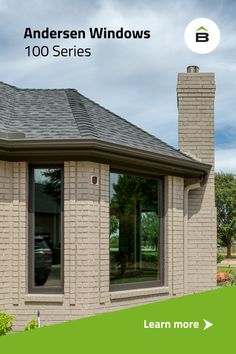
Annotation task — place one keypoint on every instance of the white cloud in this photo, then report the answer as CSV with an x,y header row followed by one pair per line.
x,y
226,160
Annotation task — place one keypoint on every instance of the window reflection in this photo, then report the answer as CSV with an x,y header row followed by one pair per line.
x,y
134,229
47,226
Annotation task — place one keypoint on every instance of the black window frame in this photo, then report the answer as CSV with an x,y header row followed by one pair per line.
x,y
145,284
32,289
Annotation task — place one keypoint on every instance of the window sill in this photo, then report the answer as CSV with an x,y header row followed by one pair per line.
x,y
124,294
44,298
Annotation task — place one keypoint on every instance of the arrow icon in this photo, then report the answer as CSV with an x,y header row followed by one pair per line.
x,y
207,324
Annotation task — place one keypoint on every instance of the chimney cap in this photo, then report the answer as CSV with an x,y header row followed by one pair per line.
x,y
193,69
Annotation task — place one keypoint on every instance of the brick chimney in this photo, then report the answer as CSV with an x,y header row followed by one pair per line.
x,y
195,96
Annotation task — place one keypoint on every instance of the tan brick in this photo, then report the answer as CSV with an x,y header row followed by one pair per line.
x,y
196,138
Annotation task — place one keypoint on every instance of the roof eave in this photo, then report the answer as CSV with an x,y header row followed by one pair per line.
x,y
116,155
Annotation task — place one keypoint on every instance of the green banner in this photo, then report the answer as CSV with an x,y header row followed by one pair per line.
x,y
197,323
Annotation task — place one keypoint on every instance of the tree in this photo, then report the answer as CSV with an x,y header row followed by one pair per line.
x,y
149,229
114,224
134,203
226,209
52,184
114,229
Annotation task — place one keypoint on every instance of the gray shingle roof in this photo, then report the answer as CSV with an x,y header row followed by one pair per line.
x,y
66,114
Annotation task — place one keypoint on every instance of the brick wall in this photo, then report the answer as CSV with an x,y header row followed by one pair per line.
x,y
196,94
5,234
13,232
86,247
174,251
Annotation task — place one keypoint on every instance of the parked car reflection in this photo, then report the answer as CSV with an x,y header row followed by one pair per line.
x,y
43,261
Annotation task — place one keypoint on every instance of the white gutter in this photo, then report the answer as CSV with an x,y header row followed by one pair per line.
x,y
186,191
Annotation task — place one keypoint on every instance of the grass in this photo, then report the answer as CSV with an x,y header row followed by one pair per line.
x,y
227,269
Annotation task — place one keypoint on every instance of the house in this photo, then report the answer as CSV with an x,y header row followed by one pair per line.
x,y
97,214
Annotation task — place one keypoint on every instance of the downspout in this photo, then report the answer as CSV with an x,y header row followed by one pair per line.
x,y
186,191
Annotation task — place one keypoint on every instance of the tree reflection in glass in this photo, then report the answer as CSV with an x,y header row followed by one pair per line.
x,y
47,226
134,229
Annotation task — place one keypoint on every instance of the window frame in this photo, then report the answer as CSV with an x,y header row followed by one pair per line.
x,y
32,289
161,209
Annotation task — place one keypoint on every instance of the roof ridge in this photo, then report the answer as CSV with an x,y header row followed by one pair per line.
x,y
80,113
12,110
12,86
33,89
137,127
10,101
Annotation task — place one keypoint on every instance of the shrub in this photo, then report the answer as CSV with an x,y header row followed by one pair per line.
x,y
149,257
232,278
220,257
6,323
31,325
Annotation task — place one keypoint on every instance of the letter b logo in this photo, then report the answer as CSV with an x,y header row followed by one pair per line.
x,y
202,37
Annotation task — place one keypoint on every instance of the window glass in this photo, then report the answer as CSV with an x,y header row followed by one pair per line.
x,y
134,229
47,227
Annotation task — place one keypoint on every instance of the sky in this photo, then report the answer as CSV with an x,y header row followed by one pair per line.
x,y
135,79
